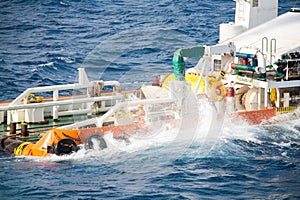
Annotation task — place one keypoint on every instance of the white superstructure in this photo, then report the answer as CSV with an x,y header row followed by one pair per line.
x,y
248,14
284,29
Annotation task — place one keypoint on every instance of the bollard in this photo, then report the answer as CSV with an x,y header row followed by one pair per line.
x,y
24,130
12,128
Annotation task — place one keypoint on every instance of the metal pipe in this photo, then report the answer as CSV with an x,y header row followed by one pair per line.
x,y
48,89
100,120
243,67
58,87
62,102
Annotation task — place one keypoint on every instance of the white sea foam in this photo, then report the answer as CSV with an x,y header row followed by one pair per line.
x,y
49,64
66,59
162,140
161,144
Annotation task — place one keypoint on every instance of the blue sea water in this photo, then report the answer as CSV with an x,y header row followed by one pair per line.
x,y
44,42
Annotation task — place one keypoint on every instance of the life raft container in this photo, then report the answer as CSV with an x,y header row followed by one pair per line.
x,y
62,142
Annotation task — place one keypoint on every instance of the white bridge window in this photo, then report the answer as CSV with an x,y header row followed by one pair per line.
x,y
217,65
255,3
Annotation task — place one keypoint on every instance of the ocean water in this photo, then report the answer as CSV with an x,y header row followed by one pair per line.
x,y
44,42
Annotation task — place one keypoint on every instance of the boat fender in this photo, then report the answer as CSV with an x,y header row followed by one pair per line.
x,y
9,145
95,142
65,146
2,145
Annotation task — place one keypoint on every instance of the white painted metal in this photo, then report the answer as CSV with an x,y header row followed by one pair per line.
x,y
229,30
283,28
1,117
206,62
61,102
34,115
251,13
18,110
266,97
286,99
263,84
248,14
55,108
98,121
82,76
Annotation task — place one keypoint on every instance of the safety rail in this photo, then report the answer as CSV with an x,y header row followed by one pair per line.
x,y
22,110
289,109
98,121
60,102
55,89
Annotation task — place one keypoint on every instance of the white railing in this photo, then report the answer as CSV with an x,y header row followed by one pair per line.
x,y
34,112
98,121
20,99
61,102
